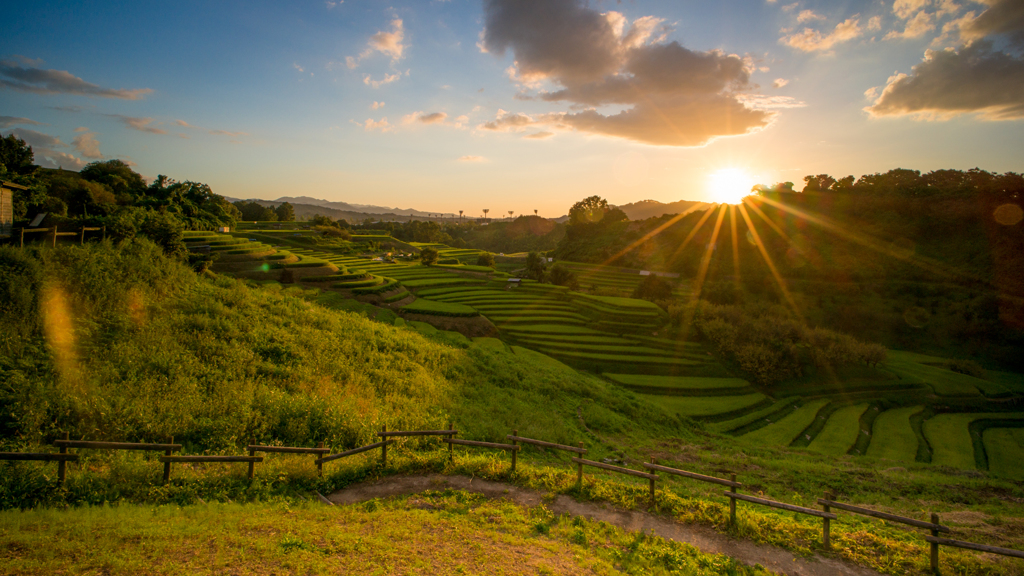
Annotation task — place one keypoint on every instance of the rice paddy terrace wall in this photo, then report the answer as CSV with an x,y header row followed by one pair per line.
x,y
914,409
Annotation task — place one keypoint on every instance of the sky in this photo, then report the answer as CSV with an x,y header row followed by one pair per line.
x,y
517,105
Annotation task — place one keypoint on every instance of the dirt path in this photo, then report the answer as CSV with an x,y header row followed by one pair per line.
x,y
705,539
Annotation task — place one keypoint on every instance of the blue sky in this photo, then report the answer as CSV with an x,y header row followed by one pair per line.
x,y
514,104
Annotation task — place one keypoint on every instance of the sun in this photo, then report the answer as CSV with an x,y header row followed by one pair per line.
x,y
729,185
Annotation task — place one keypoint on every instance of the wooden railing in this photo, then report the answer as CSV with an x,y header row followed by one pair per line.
x,y
324,456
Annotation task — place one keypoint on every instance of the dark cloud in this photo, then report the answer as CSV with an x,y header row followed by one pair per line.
x,y
1002,17
674,96
28,78
37,139
975,78
432,118
8,121
140,124
552,38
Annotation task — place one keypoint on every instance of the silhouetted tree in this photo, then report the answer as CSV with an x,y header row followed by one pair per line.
x,y
285,212
428,256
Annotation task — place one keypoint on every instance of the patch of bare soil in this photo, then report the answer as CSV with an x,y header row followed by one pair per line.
x,y
703,538
468,327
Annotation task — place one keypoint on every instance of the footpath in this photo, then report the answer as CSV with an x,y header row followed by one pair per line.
x,y
705,539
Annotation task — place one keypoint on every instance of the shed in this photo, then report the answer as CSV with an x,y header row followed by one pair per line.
x,y
7,207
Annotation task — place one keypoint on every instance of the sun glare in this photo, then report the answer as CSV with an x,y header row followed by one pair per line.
x,y
729,185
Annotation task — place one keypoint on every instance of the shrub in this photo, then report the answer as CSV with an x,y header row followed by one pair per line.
x,y
653,288
428,256
562,276
485,259
968,367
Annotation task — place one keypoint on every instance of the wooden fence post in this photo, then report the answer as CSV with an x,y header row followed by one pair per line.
x,y
732,502
935,546
81,238
319,465
104,232
62,466
167,465
514,433
579,470
451,447
826,522
384,448
54,235
252,465
22,238
652,484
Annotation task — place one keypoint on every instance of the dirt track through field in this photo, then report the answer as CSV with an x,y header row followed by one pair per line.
x,y
705,539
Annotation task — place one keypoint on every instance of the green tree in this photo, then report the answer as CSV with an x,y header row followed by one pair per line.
x,y
562,276
428,256
17,156
535,265
285,212
653,288
126,184
485,259
17,164
590,209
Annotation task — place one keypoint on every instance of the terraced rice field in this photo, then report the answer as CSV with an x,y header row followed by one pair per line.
x,y
892,436
701,406
757,418
840,432
784,431
1005,448
690,383
931,371
951,440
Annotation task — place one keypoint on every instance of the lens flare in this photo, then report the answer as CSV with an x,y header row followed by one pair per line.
x,y
729,185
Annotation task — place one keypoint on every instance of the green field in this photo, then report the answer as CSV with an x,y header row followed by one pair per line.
x,y
691,383
783,432
892,436
697,406
429,307
951,441
840,432
1005,448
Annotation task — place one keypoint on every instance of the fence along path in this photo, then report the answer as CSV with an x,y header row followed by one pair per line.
x,y
828,502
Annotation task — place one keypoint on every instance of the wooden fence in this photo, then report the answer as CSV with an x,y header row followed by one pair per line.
x,y
55,233
322,456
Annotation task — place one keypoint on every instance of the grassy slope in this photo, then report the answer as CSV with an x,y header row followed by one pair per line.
x,y
951,440
784,431
283,373
703,405
412,534
1005,447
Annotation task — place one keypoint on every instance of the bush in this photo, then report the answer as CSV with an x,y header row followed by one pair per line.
x,y
485,259
428,256
653,288
559,275
967,367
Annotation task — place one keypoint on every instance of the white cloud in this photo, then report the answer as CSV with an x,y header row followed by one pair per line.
x,y
86,144
808,16
370,125
387,79
813,41
907,8
875,23
472,159
389,43
376,105
919,25
780,82
43,148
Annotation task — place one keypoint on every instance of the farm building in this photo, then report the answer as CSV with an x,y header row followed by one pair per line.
x,y
7,207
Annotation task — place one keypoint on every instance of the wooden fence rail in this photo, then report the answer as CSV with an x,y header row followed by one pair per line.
x,y
611,468
825,515
323,456
53,231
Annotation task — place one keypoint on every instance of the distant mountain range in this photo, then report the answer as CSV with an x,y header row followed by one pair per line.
x,y
307,207
645,209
